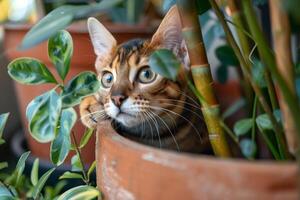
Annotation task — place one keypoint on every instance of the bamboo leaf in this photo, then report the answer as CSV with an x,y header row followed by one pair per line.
x,y
165,63
39,186
242,126
34,176
84,84
43,114
61,145
80,192
71,175
86,137
60,51
236,106
30,71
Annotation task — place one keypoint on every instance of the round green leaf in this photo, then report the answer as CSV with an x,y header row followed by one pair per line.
x,y
258,71
84,84
226,56
60,50
165,63
30,71
80,192
264,122
242,126
43,115
61,145
248,148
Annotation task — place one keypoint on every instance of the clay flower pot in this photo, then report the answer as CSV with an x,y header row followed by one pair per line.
x,y
83,59
128,170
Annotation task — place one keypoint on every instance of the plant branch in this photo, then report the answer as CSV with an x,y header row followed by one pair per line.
x,y
78,152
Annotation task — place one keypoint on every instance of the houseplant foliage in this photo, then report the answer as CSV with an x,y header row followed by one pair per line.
x,y
51,115
261,70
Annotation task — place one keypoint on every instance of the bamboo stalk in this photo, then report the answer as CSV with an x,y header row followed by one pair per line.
x,y
191,31
237,19
247,72
282,45
268,57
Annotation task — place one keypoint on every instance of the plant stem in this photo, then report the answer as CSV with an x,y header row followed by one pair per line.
x,y
253,119
282,45
270,145
230,132
269,60
247,72
192,34
237,19
78,152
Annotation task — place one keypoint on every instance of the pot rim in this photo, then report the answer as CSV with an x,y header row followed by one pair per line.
x,y
119,140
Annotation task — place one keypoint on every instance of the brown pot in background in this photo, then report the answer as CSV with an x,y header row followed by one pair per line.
x,y
128,170
83,59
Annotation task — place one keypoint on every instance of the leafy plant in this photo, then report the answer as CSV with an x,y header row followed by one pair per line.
x,y
51,117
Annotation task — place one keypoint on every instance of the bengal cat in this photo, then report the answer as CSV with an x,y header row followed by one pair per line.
x,y
143,105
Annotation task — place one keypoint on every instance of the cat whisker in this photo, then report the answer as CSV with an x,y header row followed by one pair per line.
x,y
183,107
182,102
156,126
177,146
172,112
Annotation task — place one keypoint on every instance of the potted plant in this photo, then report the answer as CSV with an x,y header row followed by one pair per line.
x,y
83,57
129,170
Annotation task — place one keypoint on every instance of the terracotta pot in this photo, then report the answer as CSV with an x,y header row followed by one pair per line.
x,y
131,171
83,59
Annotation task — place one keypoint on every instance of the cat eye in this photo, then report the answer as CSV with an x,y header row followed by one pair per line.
x,y
107,79
146,75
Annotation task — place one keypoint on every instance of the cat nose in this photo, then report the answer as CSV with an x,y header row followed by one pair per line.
x,y
118,99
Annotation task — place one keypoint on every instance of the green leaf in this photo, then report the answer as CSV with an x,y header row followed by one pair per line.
x,y
264,122
165,63
92,168
76,164
80,192
60,50
258,71
3,165
43,115
201,5
248,148
3,120
61,145
2,141
21,166
222,74
30,71
59,19
34,176
84,84
40,184
5,193
226,56
86,137
71,175
236,106
242,126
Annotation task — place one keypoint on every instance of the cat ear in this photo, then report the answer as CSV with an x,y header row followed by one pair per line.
x,y
104,43
168,34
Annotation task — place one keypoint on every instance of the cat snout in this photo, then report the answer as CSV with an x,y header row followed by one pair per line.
x,y
118,100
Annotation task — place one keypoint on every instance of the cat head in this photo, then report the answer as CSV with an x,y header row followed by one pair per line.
x,y
130,91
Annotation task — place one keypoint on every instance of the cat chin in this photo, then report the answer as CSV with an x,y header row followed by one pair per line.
x,y
127,120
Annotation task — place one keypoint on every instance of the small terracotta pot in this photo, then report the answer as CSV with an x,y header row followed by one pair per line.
x,y
130,171
83,59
